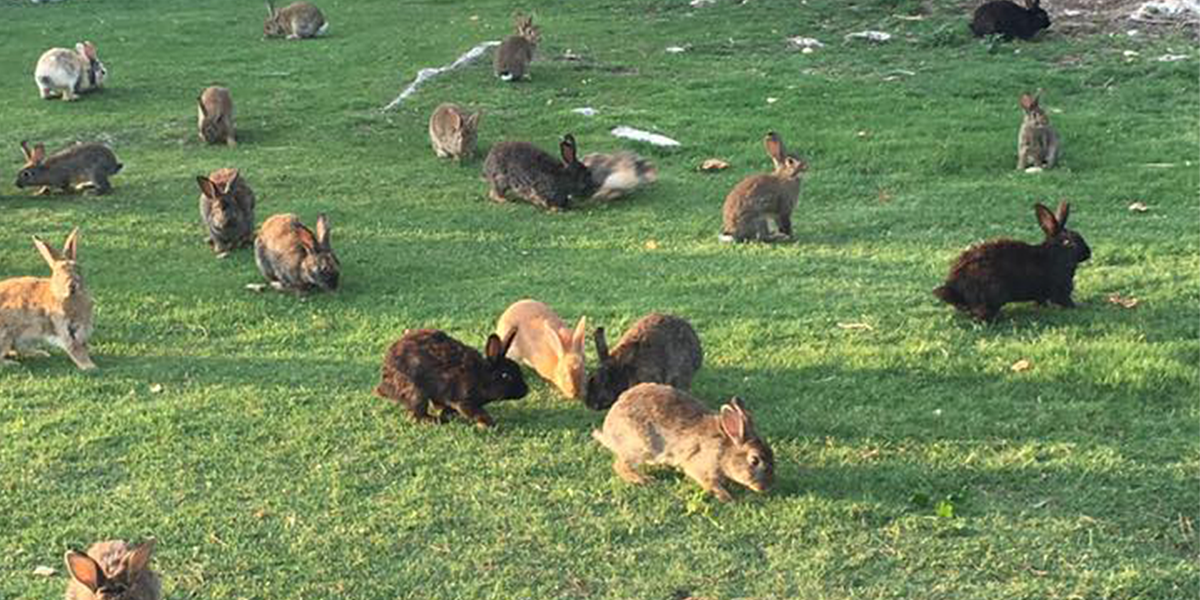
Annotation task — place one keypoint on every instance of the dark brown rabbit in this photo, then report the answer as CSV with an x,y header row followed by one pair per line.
x,y
427,366
658,348
291,258
227,209
992,274
81,166
760,206
113,570
535,175
1010,20
516,51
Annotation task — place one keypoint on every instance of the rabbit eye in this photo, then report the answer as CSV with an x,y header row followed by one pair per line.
x,y
754,462
1067,242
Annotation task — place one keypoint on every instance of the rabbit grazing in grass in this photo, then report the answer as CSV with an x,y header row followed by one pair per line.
x,y
291,258
1010,20
657,424
760,206
992,274
429,367
215,121
616,175
82,166
516,51
296,20
57,310
113,570
1037,142
535,175
547,344
453,132
68,73
227,209
657,349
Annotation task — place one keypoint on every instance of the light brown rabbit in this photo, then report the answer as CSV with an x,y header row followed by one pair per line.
x,y
215,120
619,174
1037,142
113,570
547,344
516,51
453,132
657,424
760,206
296,20
82,166
57,310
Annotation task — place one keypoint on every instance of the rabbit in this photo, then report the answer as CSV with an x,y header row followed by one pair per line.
x,y
296,20
1009,20
68,73
657,349
516,51
537,176
616,175
113,570
427,365
215,119
1037,142
227,209
81,166
657,424
760,206
452,132
291,258
992,274
56,310
547,344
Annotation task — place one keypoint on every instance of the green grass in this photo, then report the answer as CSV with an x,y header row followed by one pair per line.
x,y
267,469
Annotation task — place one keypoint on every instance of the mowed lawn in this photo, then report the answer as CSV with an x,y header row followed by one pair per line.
x,y
239,429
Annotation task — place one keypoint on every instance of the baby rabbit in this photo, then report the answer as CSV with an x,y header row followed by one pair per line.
x,y
215,121
452,132
659,425
1009,20
227,209
547,344
113,570
57,310
658,348
516,51
1037,142
291,258
296,20
992,274
760,206
82,166
427,366
537,176
68,73
616,175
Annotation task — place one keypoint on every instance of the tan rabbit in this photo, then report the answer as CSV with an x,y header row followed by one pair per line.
x,y
296,20
57,310
657,424
215,120
760,206
68,73
516,51
547,344
1037,142
81,166
619,174
113,570
453,132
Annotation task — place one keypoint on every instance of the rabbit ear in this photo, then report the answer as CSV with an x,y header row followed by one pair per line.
x,y
139,558
1046,219
270,8
580,336
733,422
556,341
774,145
71,245
601,344
323,232
1064,211
49,254
472,120
494,348
508,340
200,103
26,151
207,187
1028,102
84,570
39,153
233,177
567,148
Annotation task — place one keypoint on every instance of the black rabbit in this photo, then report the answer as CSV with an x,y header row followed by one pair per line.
x,y
1010,20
